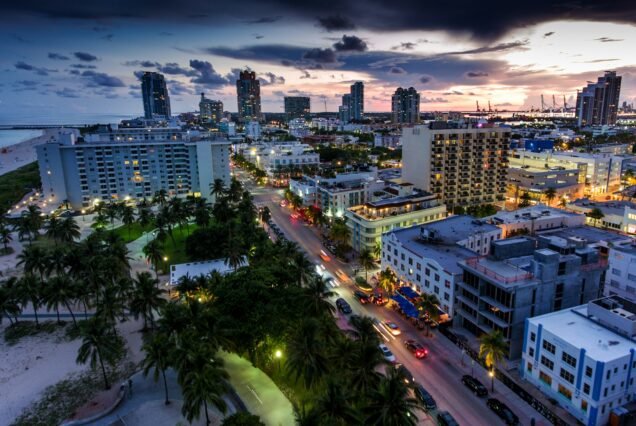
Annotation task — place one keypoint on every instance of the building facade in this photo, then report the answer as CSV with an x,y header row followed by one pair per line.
x,y
297,107
584,357
617,215
248,92
370,220
272,157
154,94
462,166
344,110
89,172
357,101
533,219
210,110
597,103
567,183
425,257
405,106
522,278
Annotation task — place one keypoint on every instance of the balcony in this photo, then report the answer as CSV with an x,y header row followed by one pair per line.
x,y
489,272
601,264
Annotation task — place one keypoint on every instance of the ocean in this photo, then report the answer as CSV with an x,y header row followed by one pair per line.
x,y
61,118
11,137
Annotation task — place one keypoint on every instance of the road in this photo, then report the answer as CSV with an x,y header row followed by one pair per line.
x,y
440,373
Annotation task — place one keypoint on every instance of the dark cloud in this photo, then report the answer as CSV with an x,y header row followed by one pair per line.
x,y
405,46
321,56
178,88
102,79
397,70
74,72
336,23
30,83
270,78
426,100
206,75
505,104
143,64
138,74
425,79
67,93
86,57
173,68
264,20
305,74
350,43
83,66
548,34
494,48
595,61
476,74
21,65
453,93
57,57
258,36
608,39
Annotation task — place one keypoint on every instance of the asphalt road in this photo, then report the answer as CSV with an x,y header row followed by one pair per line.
x,y
440,373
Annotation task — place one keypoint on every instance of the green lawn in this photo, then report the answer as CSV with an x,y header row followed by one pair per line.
x,y
176,252
16,184
135,232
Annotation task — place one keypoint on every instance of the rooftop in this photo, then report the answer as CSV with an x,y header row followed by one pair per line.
x,y
574,327
446,253
195,269
615,207
509,271
457,228
590,234
524,214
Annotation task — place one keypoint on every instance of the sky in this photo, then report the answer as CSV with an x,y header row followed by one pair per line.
x,y
61,59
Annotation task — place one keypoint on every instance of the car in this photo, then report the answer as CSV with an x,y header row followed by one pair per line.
x,y
416,348
393,328
332,282
320,269
444,418
295,215
474,385
283,203
324,256
425,398
503,411
343,306
386,352
405,373
362,297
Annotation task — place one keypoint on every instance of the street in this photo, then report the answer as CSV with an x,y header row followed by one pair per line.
x,y
440,373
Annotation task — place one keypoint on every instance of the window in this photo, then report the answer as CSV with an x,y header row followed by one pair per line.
x,y
545,378
569,359
437,277
533,336
588,371
616,272
565,391
549,347
586,388
584,405
547,362
567,375
531,351
427,272
529,367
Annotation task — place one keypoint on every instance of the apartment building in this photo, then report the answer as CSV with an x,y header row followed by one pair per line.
x,y
461,164
567,183
583,357
131,164
425,257
529,220
617,215
408,207
271,157
522,278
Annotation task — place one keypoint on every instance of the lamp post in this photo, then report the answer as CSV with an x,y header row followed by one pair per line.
x,y
491,373
278,355
165,262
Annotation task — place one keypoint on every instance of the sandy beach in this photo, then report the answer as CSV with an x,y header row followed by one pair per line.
x,y
15,156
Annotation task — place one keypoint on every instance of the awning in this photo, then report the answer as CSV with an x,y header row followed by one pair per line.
x,y
406,306
408,292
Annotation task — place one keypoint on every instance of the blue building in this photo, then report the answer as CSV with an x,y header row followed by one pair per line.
x,y
538,145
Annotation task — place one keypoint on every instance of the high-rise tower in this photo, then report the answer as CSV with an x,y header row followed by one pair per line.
x,y
155,95
405,106
248,92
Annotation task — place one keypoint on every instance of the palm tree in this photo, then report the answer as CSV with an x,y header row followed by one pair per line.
x,y
337,406
266,214
100,344
316,294
428,307
387,280
363,374
69,230
234,252
218,188
160,197
201,213
550,194
5,236
128,217
9,303
596,214
492,348
144,216
301,267
377,250
33,259
307,358
364,331
525,199
23,228
33,217
158,349
112,212
390,404
53,228
58,291
563,202
146,298
154,254
366,261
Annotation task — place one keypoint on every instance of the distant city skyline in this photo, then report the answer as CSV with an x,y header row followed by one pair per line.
x,y
87,58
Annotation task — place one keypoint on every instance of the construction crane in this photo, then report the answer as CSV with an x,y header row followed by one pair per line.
x,y
543,108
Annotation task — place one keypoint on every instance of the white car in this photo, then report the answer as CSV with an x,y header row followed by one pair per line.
x,y
393,328
386,352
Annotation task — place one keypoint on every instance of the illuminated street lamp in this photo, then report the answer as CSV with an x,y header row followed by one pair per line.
x,y
278,355
491,373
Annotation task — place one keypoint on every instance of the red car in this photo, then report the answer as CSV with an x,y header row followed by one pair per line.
x,y
416,348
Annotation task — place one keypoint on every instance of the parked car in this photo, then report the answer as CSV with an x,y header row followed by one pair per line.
x,y
361,296
416,348
444,418
405,373
474,385
503,411
386,353
343,306
425,397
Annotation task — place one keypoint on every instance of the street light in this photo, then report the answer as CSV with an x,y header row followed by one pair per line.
x,y
491,373
278,355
